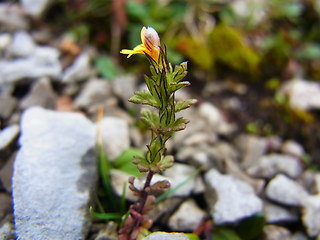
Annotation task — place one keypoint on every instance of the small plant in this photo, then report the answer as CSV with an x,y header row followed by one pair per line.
x,y
162,85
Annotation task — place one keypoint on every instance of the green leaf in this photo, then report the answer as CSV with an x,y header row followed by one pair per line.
x,y
124,161
192,236
143,98
136,10
166,162
105,216
179,124
106,67
150,118
252,227
222,233
176,86
181,105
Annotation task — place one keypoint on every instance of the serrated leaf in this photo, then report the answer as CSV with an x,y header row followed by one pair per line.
x,y
160,185
143,97
179,124
166,162
150,118
142,163
181,105
176,86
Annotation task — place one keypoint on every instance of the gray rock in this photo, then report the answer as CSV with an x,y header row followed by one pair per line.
x,y
109,232
166,236
41,94
311,215
114,136
6,174
54,175
277,214
5,205
286,191
124,88
12,17
273,232
270,165
43,62
230,199
7,106
181,220
79,70
22,45
36,8
7,135
215,118
293,148
118,179
302,94
252,148
95,91
299,236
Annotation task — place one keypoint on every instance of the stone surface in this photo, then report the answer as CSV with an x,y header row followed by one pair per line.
x,y
6,174
311,215
299,236
12,17
273,232
36,8
7,135
302,94
286,191
230,199
79,70
7,106
252,148
270,165
114,135
41,94
293,148
43,62
166,236
7,231
215,118
5,205
276,214
22,45
124,88
95,91
54,175
177,174
187,217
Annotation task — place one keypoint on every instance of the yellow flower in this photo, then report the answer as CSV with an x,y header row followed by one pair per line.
x,y
150,44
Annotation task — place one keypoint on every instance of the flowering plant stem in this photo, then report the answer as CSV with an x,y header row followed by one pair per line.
x,y
162,85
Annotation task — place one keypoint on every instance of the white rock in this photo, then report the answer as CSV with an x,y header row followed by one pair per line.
x,y
79,70
292,148
311,215
43,62
270,165
302,94
36,8
276,214
22,45
5,40
7,231
7,135
286,191
230,199
178,174
273,232
118,179
166,236
54,175
215,119
181,219
114,135
94,91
